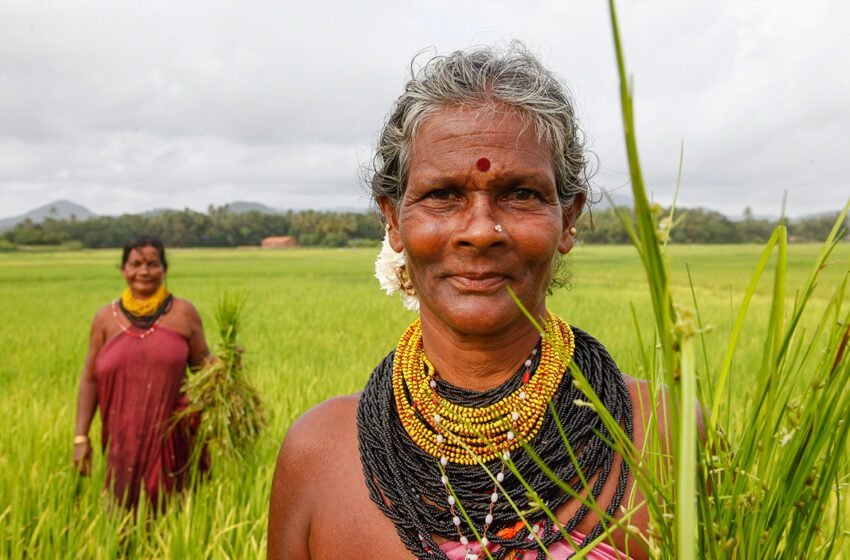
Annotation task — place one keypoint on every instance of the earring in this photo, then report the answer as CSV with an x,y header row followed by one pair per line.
x,y
573,230
391,272
404,280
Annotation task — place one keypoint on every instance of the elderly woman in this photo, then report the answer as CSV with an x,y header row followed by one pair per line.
x,y
139,348
480,175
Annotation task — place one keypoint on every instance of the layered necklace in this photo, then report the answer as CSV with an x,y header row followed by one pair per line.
x,y
423,442
144,315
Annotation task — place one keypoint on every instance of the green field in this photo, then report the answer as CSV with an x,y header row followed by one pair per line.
x,y
316,325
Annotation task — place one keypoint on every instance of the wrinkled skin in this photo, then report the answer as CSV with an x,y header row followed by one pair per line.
x,y
446,222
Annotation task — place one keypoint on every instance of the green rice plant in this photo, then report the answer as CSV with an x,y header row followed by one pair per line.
x,y
231,413
763,491
46,511
770,483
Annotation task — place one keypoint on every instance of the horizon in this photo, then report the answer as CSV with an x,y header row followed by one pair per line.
x,y
602,204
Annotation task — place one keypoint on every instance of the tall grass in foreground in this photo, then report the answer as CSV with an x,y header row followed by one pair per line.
x,y
763,492
776,488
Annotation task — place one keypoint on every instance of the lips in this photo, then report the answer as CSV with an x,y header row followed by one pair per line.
x,y
479,281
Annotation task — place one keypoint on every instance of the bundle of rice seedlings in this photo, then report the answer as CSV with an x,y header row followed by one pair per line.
x,y
231,413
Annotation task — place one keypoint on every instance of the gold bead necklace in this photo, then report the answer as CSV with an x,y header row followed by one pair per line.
x,y
463,434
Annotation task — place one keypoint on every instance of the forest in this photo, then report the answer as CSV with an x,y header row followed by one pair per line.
x,y
220,227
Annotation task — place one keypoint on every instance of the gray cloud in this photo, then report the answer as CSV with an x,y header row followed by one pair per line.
x,y
128,106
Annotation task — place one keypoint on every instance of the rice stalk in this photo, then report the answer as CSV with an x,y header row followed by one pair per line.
x,y
230,412
776,485
763,491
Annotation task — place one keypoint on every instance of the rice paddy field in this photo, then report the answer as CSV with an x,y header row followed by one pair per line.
x,y
316,324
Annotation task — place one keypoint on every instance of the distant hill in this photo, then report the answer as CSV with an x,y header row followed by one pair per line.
x,y
157,212
238,207
63,209
241,207
59,210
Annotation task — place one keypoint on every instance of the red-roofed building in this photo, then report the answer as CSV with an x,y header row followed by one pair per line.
x,y
279,242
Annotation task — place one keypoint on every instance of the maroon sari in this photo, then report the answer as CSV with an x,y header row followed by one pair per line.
x,y
138,390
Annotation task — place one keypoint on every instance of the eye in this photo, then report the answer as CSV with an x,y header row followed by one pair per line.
x,y
441,194
523,194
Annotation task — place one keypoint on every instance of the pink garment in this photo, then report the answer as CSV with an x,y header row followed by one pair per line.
x,y
138,390
559,550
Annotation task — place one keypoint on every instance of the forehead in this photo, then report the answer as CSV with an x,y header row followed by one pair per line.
x,y
146,253
454,138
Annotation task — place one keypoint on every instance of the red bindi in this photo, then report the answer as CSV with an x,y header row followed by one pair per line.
x,y
483,164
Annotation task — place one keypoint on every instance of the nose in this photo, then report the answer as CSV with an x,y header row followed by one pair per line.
x,y
478,227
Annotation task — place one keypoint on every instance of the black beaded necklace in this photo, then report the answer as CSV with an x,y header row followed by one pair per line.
x,y
404,481
147,321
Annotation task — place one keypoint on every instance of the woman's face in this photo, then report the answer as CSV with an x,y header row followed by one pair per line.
x,y
471,171
143,271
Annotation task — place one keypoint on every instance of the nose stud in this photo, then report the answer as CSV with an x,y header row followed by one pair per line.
x,y
498,228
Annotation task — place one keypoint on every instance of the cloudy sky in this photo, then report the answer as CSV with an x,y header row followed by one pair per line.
x,y
124,106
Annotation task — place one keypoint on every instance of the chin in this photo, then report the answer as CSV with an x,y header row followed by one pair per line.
x,y
146,290
479,318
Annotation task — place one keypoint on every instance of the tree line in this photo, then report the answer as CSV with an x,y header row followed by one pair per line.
x,y
700,225
219,227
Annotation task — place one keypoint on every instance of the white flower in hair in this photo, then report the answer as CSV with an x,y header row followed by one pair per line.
x,y
391,272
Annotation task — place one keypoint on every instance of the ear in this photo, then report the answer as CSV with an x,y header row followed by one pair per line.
x,y
390,213
569,220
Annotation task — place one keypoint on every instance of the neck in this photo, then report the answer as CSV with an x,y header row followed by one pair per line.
x,y
479,363
146,295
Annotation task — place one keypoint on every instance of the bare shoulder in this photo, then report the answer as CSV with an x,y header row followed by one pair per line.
x,y
325,436
645,396
650,409
102,315
652,404
635,384
318,455
100,324
185,319
185,307
321,429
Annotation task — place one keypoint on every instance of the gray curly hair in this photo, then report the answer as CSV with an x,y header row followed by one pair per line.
x,y
510,76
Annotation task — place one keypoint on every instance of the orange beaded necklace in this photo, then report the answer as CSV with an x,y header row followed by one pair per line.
x,y
463,434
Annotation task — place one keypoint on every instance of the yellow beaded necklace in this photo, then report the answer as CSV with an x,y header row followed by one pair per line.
x,y
463,434
143,307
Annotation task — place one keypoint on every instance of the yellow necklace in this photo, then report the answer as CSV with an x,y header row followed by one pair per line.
x,y
143,307
465,435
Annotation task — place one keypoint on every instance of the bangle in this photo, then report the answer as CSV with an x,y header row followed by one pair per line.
x,y
80,439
